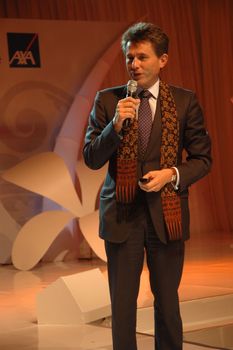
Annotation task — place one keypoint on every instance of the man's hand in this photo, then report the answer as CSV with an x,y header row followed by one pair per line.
x,y
158,179
126,108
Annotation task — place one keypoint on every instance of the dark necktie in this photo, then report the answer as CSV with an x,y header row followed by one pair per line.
x,y
144,121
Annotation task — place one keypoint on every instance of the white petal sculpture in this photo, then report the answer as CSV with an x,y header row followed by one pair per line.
x,y
8,231
89,225
36,236
46,174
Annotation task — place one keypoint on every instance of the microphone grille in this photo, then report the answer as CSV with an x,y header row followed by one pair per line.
x,y
132,86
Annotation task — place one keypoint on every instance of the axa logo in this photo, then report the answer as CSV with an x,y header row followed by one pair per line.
x,y
23,49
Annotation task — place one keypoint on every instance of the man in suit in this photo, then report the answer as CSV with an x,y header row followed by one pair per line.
x,y
144,199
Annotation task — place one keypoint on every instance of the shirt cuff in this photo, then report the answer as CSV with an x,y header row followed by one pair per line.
x,y
176,184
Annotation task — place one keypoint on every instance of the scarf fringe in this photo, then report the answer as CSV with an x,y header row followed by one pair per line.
x,y
126,193
126,181
172,216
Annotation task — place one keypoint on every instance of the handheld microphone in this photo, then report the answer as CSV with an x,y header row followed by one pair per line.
x,y
131,88
131,92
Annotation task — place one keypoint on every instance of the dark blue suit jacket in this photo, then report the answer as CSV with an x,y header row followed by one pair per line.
x,y
101,143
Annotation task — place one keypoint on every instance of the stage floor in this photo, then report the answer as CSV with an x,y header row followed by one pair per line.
x,y
205,274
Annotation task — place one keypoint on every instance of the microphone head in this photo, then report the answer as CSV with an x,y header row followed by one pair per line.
x,y
131,87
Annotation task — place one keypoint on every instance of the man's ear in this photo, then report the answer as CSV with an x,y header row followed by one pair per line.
x,y
163,60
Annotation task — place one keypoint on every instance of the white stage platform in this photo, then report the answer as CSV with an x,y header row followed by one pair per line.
x,y
208,279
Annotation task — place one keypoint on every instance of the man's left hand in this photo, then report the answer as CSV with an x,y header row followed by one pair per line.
x,y
157,180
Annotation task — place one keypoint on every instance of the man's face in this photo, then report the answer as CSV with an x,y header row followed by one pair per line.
x,y
143,65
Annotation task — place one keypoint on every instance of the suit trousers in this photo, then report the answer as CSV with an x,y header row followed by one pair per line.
x,y
165,264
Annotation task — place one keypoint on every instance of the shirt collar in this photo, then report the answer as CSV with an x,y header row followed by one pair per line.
x,y
154,89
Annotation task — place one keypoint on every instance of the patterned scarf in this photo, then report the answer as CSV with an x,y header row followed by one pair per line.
x,y
127,155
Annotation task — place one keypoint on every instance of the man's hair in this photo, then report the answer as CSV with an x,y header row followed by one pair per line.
x,y
146,32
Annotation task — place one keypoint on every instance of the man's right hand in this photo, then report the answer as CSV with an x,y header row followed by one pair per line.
x,y
126,108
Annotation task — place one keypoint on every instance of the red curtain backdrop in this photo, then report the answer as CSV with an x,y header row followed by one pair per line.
x,y
200,58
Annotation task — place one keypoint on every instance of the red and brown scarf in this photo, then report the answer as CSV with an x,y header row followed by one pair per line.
x,y
127,155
